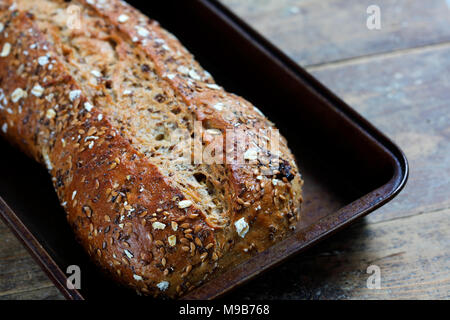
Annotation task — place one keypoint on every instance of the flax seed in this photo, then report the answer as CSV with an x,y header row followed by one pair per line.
x,y
198,242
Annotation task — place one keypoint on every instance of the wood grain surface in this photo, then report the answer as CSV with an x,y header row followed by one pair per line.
x,y
397,77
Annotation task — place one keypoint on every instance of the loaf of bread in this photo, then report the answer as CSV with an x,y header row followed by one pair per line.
x,y
111,103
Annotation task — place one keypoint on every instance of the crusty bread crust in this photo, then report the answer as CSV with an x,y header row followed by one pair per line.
x,y
134,220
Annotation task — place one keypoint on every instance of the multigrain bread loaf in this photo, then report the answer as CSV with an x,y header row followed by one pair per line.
x,y
107,100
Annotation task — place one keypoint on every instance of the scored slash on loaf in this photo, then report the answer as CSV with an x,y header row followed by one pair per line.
x,y
99,104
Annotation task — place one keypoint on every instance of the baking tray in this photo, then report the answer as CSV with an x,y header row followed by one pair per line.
x,y
349,167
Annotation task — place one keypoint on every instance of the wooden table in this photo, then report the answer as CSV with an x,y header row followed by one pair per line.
x,y
399,78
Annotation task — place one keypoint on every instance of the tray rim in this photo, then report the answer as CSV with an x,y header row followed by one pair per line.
x,y
390,189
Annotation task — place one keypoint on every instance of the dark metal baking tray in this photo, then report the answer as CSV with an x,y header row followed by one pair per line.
x,y
349,167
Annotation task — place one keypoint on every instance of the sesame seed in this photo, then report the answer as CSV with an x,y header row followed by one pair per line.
x,y
163,285
213,86
74,94
158,225
194,75
172,240
184,204
214,132
37,90
142,31
43,60
128,253
50,114
18,94
251,154
123,18
5,127
241,227
88,106
6,50
137,277
96,73
174,226
74,194
218,106
183,70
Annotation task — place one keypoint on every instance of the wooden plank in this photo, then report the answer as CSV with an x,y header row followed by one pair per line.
x,y
411,252
20,276
406,96
315,32
45,293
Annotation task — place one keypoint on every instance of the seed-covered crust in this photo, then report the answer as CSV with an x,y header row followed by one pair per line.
x,y
146,221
